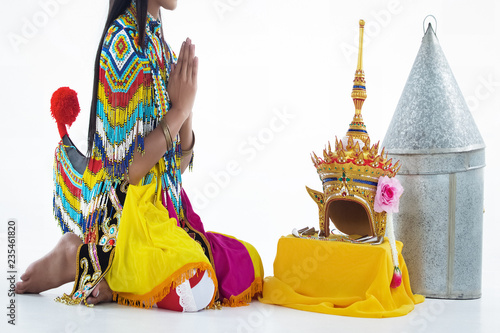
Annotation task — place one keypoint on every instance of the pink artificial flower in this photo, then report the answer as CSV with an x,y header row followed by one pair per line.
x,y
397,277
388,192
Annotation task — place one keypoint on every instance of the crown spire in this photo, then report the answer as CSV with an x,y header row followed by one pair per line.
x,y
357,128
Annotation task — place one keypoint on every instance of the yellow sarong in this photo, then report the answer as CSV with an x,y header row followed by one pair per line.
x,y
152,253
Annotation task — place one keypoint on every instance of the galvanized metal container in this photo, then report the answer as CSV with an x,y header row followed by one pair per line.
x,y
442,152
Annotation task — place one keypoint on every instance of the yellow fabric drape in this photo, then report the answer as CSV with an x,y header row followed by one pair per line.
x,y
338,278
152,253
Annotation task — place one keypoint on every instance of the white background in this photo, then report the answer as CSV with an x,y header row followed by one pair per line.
x,y
258,59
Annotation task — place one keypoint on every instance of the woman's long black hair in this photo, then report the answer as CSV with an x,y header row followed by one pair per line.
x,y
116,8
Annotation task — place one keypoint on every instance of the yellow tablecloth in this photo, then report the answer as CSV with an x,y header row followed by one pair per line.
x,y
338,278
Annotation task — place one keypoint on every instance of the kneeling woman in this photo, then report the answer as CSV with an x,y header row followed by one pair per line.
x,y
140,142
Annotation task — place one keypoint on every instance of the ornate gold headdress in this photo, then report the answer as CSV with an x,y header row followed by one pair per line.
x,y
350,173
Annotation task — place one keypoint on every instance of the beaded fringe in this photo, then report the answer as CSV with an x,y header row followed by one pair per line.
x,y
127,118
66,193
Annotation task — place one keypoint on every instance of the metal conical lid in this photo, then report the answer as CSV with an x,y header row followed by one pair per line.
x,y
432,115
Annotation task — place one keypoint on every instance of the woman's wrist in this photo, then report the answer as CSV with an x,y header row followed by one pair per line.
x,y
175,119
188,151
187,154
186,132
166,133
182,113
174,123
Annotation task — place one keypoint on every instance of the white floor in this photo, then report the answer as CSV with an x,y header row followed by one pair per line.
x,y
39,313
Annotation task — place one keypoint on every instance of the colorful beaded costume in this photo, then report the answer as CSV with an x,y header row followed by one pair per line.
x,y
88,201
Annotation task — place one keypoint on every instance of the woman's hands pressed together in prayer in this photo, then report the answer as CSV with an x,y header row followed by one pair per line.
x,y
182,83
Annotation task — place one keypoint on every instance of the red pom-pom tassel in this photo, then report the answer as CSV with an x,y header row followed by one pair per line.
x,y
64,108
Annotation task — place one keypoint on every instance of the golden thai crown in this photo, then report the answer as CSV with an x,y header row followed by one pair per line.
x,y
351,171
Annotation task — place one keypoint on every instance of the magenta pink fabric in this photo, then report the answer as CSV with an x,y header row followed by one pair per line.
x,y
233,265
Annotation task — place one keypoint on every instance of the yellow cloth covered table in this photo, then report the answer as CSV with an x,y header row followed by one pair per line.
x,y
338,278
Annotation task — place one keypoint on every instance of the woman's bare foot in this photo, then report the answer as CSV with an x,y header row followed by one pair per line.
x,y
54,269
101,293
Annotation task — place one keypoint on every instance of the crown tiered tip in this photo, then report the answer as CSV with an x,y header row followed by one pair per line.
x,y
357,128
